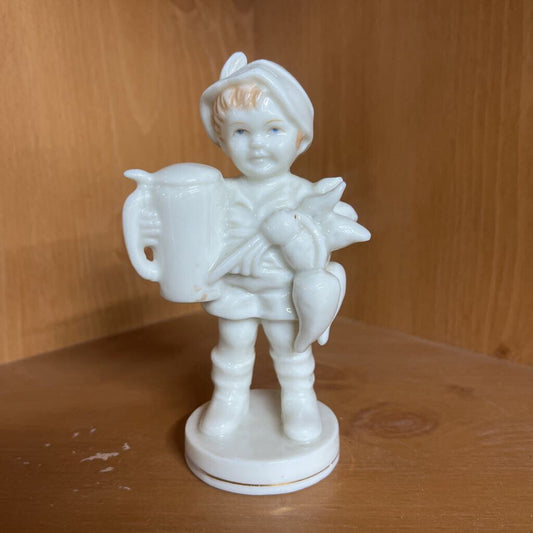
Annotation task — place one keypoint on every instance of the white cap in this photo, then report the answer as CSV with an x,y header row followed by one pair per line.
x,y
280,85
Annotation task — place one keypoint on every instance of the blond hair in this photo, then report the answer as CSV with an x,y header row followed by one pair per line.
x,y
236,97
245,96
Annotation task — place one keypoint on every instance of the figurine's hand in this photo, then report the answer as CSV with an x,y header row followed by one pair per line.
x,y
149,227
280,227
299,238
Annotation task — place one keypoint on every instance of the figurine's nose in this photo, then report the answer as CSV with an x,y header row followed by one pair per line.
x,y
257,141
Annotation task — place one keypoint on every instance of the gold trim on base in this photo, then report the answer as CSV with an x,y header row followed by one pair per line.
x,y
207,474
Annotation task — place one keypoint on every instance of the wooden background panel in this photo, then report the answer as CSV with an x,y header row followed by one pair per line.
x,y
426,108
90,89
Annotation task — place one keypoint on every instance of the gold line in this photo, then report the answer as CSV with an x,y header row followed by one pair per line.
x,y
260,485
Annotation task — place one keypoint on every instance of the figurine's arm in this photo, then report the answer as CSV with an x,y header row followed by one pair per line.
x,y
299,232
320,224
299,238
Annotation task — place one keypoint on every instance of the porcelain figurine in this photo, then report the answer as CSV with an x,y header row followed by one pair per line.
x,y
255,251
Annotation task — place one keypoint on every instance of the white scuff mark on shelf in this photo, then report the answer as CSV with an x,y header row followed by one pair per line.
x,y
108,469
47,445
75,434
92,430
126,446
124,487
103,456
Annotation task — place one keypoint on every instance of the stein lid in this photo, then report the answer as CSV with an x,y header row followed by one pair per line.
x,y
187,174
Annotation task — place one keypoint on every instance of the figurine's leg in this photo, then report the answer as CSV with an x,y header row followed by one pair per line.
x,y
233,362
295,371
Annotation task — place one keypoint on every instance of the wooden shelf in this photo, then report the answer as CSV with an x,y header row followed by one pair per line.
x,y
432,438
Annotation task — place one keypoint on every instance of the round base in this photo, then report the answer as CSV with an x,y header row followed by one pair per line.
x,y
257,458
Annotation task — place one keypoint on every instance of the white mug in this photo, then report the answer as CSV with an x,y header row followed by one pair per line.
x,y
177,211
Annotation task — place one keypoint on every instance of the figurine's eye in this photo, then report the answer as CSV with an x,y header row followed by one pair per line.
x,y
240,131
275,130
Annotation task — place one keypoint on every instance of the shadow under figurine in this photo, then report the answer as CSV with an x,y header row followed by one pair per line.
x,y
255,250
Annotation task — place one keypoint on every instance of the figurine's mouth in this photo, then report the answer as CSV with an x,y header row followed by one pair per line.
x,y
259,158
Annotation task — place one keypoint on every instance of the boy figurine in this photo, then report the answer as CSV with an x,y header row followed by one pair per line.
x,y
275,268
254,250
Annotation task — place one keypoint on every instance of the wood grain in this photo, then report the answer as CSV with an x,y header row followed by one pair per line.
x,y
90,89
433,438
426,108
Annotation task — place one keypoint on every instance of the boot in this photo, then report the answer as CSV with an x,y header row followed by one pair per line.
x,y
231,398
299,406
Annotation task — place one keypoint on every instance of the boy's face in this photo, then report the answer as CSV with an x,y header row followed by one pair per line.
x,y
262,141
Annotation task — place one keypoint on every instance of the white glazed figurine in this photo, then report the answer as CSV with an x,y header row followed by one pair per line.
x,y
255,250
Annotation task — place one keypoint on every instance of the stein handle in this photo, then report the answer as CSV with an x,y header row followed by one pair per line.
x,y
136,205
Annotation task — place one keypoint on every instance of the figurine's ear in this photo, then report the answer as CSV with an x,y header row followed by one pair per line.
x,y
302,143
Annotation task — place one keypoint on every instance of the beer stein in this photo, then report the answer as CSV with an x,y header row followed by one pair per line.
x,y
178,212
